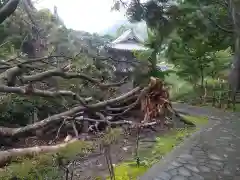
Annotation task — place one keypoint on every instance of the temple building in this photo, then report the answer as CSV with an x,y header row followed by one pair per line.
x,y
122,52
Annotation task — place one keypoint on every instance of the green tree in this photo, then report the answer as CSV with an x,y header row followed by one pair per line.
x,y
59,41
160,18
216,21
192,58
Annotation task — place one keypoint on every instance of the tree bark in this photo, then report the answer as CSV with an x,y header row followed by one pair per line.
x,y
8,155
234,77
16,132
8,9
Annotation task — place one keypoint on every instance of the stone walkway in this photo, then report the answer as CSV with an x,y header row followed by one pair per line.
x,y
213,153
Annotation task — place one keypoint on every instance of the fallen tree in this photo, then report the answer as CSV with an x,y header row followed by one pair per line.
x,y
152,100
7,156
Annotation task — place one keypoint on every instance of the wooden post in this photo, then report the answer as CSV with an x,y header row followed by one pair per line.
x,y
213,95
205,93
229,97
233,98
220,94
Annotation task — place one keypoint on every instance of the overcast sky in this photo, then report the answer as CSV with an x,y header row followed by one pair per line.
x,y
87,15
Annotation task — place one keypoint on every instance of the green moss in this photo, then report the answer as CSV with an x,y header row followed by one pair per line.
x,y
197,120
43,165
127,171
76,148
164,145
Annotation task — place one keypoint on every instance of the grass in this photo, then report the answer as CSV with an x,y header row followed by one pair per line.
x,y
46,166
43,166
129,171
197,120
164,144
182,91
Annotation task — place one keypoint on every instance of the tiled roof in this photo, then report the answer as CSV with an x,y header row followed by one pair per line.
x,y
128,41
126,36
129,46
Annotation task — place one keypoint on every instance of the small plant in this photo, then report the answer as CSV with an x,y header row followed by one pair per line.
x,y
49,165
137,146
107,140
164,144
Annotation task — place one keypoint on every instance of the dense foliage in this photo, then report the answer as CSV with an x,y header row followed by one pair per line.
x,y
18,31
188,34
199,37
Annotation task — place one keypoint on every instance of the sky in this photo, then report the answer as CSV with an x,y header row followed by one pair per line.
x,y
87,15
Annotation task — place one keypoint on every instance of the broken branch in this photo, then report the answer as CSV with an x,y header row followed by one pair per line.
x,y
60,72
6,156
32,127
43,93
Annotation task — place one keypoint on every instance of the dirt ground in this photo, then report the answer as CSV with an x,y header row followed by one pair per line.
x,y
93,166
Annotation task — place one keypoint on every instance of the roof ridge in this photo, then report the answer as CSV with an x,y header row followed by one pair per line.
x,y
130,33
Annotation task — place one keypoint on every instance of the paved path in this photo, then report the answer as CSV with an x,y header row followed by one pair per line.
x,y
213,153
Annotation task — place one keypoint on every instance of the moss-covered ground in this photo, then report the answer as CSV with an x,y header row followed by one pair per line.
x,y
164,144
42,166
46,165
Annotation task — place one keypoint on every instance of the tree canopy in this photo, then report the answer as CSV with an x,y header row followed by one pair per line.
x,y
56,81
193,31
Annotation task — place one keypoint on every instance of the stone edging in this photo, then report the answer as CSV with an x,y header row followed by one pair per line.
x,y
155,170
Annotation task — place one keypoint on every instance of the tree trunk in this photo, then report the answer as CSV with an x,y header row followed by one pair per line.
x,y
8,155
8,9
31,128
235,70
202,78
202,83
153,61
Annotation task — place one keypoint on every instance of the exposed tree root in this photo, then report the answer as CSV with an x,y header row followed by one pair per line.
x,y
152,101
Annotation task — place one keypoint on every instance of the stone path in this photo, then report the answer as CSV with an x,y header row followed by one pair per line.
x,y
213,153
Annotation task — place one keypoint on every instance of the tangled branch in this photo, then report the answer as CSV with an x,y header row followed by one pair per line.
x,y
153,99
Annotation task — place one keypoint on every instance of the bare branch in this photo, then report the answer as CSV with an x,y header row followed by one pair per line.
x,y
59,130
11,75
27,9
74,129
60,72
131,106
212,21
42,59
110,59
118,123
32,127
3,44
36,92
5,63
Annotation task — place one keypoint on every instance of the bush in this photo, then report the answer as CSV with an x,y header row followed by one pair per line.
x,y
18,110
44,166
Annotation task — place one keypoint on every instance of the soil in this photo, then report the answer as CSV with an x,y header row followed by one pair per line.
x,y
95,165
